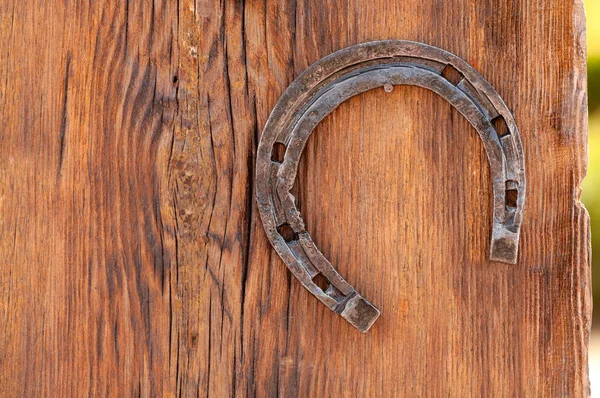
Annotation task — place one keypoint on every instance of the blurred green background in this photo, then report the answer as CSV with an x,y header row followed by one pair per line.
x,y
591,184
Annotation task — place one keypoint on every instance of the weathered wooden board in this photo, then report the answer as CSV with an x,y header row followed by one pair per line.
x,y
132,258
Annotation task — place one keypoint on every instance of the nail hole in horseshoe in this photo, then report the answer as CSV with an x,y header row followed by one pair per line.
x,y
500,126
321,281
452,75
278,152
511,196
287,233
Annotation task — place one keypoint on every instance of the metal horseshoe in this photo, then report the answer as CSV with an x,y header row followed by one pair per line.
x,y
349,72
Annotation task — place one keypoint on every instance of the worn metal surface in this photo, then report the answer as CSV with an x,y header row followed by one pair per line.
x,y
349,72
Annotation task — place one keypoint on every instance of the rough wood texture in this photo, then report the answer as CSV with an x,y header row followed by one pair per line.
x,y
132,258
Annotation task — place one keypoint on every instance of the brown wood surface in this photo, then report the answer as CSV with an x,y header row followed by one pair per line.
x,y
132,258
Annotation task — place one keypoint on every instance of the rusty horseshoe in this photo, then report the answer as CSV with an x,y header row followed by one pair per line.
x,y
351,71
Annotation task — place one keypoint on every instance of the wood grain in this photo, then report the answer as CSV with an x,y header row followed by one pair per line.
x,y
132,259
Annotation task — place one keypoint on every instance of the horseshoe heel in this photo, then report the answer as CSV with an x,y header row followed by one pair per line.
x,y
349,72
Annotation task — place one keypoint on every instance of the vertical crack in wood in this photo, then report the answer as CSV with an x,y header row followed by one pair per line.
x,y
63,127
